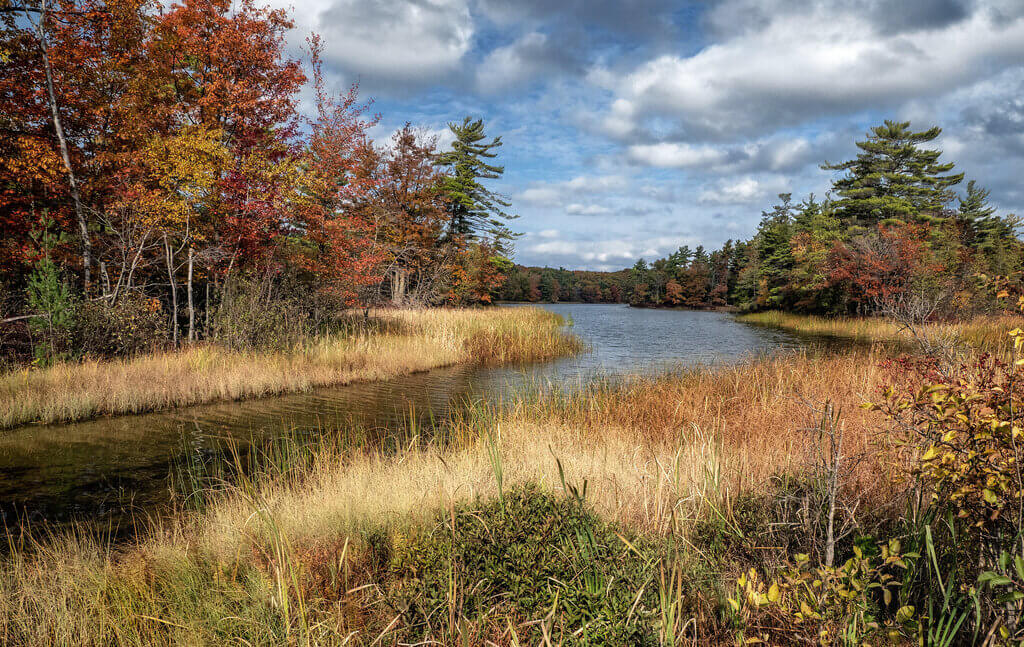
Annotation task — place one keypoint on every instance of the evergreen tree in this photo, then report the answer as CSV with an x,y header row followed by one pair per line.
x,y
974,205
775,252
893,178
992,236
475,212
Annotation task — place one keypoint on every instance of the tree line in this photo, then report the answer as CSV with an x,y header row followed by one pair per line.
x,y
892,229
159,184
550,285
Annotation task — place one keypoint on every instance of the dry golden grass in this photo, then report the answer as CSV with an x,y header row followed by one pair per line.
x,y
406,342
655,452
983,332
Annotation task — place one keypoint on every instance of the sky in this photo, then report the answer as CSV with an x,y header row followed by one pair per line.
x,y
631,128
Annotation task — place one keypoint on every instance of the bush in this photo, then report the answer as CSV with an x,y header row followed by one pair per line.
x,y
531,556
134,324
271,316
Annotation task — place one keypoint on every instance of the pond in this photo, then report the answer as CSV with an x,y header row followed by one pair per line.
x,y
109,469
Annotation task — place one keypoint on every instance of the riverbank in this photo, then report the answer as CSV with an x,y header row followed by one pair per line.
x,y
984,333
391,343
358,547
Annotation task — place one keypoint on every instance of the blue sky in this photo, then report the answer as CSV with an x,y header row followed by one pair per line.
x,y
632,128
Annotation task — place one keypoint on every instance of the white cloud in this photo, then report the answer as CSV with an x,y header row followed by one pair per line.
x,y
673,155
800,64
557,193
742,191
408,40
611,254
577,209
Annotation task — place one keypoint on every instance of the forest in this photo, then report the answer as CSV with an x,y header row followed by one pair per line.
x,y
159,185
897,223
346,443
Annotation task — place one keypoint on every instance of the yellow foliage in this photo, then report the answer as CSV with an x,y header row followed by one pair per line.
x,y
181,172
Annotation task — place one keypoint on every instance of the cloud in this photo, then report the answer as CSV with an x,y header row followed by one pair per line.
x,y
533,55
558,193
801,63
601,254
577,209
408,41
676,155
744,191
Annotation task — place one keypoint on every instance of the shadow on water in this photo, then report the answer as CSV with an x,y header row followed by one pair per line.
x,y
111,470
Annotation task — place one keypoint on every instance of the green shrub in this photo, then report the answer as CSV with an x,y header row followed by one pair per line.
x,y
529,557
50,300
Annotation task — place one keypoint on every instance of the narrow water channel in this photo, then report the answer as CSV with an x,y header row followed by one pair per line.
x,y
109,469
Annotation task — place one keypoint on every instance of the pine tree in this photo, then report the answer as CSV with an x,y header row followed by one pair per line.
x,y
774,251
475,212
991,235
893,178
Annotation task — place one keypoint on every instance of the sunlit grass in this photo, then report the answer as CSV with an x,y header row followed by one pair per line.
x,y
404,341
983,332
292,557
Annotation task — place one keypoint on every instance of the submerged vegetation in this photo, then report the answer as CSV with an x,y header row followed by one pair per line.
x,y
387,344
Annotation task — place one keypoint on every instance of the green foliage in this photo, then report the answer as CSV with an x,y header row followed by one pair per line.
x,y
550,284
530,556
893,178
959,428
50,300
475,212
850,604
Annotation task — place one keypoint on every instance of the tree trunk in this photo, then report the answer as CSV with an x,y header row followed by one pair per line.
x,y
169,252
83,224
399,283
206,311
191,302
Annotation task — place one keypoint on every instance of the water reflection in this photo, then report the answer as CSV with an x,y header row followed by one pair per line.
x,y
110,468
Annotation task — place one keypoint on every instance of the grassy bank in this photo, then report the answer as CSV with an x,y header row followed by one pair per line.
x,y
986,333
390,344
357,547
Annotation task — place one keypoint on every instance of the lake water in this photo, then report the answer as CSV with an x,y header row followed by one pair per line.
x,y
110,469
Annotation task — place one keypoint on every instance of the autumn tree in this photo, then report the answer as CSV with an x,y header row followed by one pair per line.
x,y
404,200
338,243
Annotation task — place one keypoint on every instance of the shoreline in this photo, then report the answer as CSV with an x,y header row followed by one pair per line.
x,y
986,333
413,341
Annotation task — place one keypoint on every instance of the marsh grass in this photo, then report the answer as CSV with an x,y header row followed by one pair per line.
x,y
388,344
986,333
300,552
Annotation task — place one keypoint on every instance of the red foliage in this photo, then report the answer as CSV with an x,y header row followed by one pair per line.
x,y
880,266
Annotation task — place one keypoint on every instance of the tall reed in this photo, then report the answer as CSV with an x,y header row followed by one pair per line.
x,y
295,555
402,342
986,333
